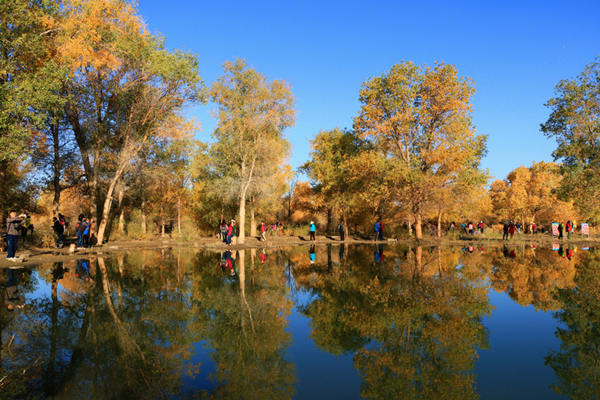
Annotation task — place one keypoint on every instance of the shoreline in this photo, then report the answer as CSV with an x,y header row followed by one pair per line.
x,y
35,255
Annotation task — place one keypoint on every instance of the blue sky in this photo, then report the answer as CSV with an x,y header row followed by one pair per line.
x,y
515,51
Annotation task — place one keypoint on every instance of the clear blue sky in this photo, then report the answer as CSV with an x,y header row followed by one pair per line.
x,y
515,51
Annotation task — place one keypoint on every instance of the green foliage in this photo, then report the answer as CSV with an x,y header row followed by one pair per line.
x,y
574,123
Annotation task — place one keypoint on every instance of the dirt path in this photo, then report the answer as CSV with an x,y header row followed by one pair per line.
x,y
30,256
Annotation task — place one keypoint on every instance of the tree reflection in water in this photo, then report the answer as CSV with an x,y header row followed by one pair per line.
x,y
412,320
577,363
130,326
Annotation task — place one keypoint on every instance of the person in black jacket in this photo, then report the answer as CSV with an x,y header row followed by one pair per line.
x,y
59,229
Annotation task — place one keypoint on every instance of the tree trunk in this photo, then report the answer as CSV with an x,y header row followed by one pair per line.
x,y
439,224
55,169
162,223
144,229
328,221
121,212
252,223
345,225
418,227
242,217
108,204
410,228
179,215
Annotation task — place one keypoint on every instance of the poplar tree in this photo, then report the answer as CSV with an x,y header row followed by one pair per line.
x,y
252,114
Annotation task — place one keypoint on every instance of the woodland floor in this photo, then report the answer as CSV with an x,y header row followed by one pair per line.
x,y
33,255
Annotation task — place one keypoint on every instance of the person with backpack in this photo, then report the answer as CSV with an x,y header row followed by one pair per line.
x,y
59,229
377,229
223,231
87,230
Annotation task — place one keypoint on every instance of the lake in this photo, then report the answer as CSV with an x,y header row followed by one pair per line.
x,y
325,322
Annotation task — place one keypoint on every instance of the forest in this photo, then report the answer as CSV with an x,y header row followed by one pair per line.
x,y
94,121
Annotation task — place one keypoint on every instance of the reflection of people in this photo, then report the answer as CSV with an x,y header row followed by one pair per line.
x,y
12,296
311,254
378,256
82,271
227,263
342,250
58,271
263,256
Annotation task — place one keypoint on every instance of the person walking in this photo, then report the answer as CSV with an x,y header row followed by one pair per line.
x,y
342,231
59,230
13,226
230,232
377,229
505,230
79,228
511,229
481,227
223,231
569,229
560,230
87,230
312,231
263,231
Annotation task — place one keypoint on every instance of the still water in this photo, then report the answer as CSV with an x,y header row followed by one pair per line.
x,y
306,323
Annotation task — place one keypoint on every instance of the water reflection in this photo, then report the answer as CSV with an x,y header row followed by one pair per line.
x,y
577,363
411,319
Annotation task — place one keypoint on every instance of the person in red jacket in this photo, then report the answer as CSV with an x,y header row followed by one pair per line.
x,y
230,231
263,231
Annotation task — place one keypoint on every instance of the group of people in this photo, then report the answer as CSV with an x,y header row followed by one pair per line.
x,y
509,228
264,229
569,227
469,228
83,230
227,231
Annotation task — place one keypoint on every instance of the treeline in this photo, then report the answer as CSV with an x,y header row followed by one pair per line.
x,y
92,121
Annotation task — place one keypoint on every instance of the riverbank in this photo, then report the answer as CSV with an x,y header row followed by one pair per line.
x,y
35,255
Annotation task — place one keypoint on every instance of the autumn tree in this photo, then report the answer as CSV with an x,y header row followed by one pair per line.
x,y
574,123
252,115
124,90
419,119
528,194
333,156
